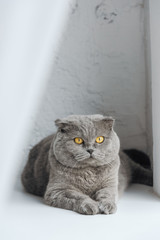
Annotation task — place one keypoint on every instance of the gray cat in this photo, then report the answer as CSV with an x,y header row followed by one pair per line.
x,y
79,168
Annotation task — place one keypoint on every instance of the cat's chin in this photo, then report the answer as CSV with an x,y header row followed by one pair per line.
x,y
90,162
86,160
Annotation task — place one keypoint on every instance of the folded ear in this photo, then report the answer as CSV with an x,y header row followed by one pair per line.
x,y
109,121
64,125
61,124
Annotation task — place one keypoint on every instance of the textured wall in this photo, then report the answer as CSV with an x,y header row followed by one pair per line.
x,y
100,68
154,13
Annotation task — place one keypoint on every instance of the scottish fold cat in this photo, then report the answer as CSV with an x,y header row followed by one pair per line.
x,y
81,168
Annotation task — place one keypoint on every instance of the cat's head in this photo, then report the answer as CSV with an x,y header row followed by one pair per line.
x,y
85,140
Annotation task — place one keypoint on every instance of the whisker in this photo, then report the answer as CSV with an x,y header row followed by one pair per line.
x,y
81,156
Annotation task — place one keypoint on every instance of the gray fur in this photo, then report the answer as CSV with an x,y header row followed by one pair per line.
x,y
69,177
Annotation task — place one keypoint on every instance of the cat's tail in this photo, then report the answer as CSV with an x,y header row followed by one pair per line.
x,y
139,157
140,167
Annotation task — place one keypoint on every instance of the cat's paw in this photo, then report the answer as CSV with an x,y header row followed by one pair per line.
x,y
88,207
107,207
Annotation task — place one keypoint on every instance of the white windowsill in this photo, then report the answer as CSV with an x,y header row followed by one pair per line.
x,y
137,218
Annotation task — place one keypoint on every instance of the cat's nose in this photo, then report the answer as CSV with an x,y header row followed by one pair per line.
x,y
90,151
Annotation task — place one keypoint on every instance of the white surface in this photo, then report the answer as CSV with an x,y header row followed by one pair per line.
x,y
137,218
155,70
100,68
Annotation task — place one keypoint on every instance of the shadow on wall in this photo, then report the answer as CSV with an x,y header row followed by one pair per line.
x,y
99,69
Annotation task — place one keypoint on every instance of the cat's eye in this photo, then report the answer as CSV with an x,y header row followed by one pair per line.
x,y
100,139
78,140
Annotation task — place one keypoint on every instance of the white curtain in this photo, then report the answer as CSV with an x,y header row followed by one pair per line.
x,y
30,33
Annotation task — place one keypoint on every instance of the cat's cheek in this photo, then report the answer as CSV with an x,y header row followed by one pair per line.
x,y
56,149
109,145
72,147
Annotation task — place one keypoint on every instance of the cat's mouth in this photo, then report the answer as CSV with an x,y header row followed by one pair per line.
x,y
91,158
87,159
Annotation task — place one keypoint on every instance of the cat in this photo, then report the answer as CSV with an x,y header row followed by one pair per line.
x,y
81,167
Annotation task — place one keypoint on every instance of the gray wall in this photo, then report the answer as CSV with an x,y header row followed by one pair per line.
x,y
100,68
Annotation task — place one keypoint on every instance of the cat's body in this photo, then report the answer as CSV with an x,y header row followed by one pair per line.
x,y
86,178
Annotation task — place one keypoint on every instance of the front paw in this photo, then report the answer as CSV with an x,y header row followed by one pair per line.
x,y
88,207
107,207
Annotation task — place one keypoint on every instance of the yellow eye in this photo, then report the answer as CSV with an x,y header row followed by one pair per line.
x,y
78,140
99,139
